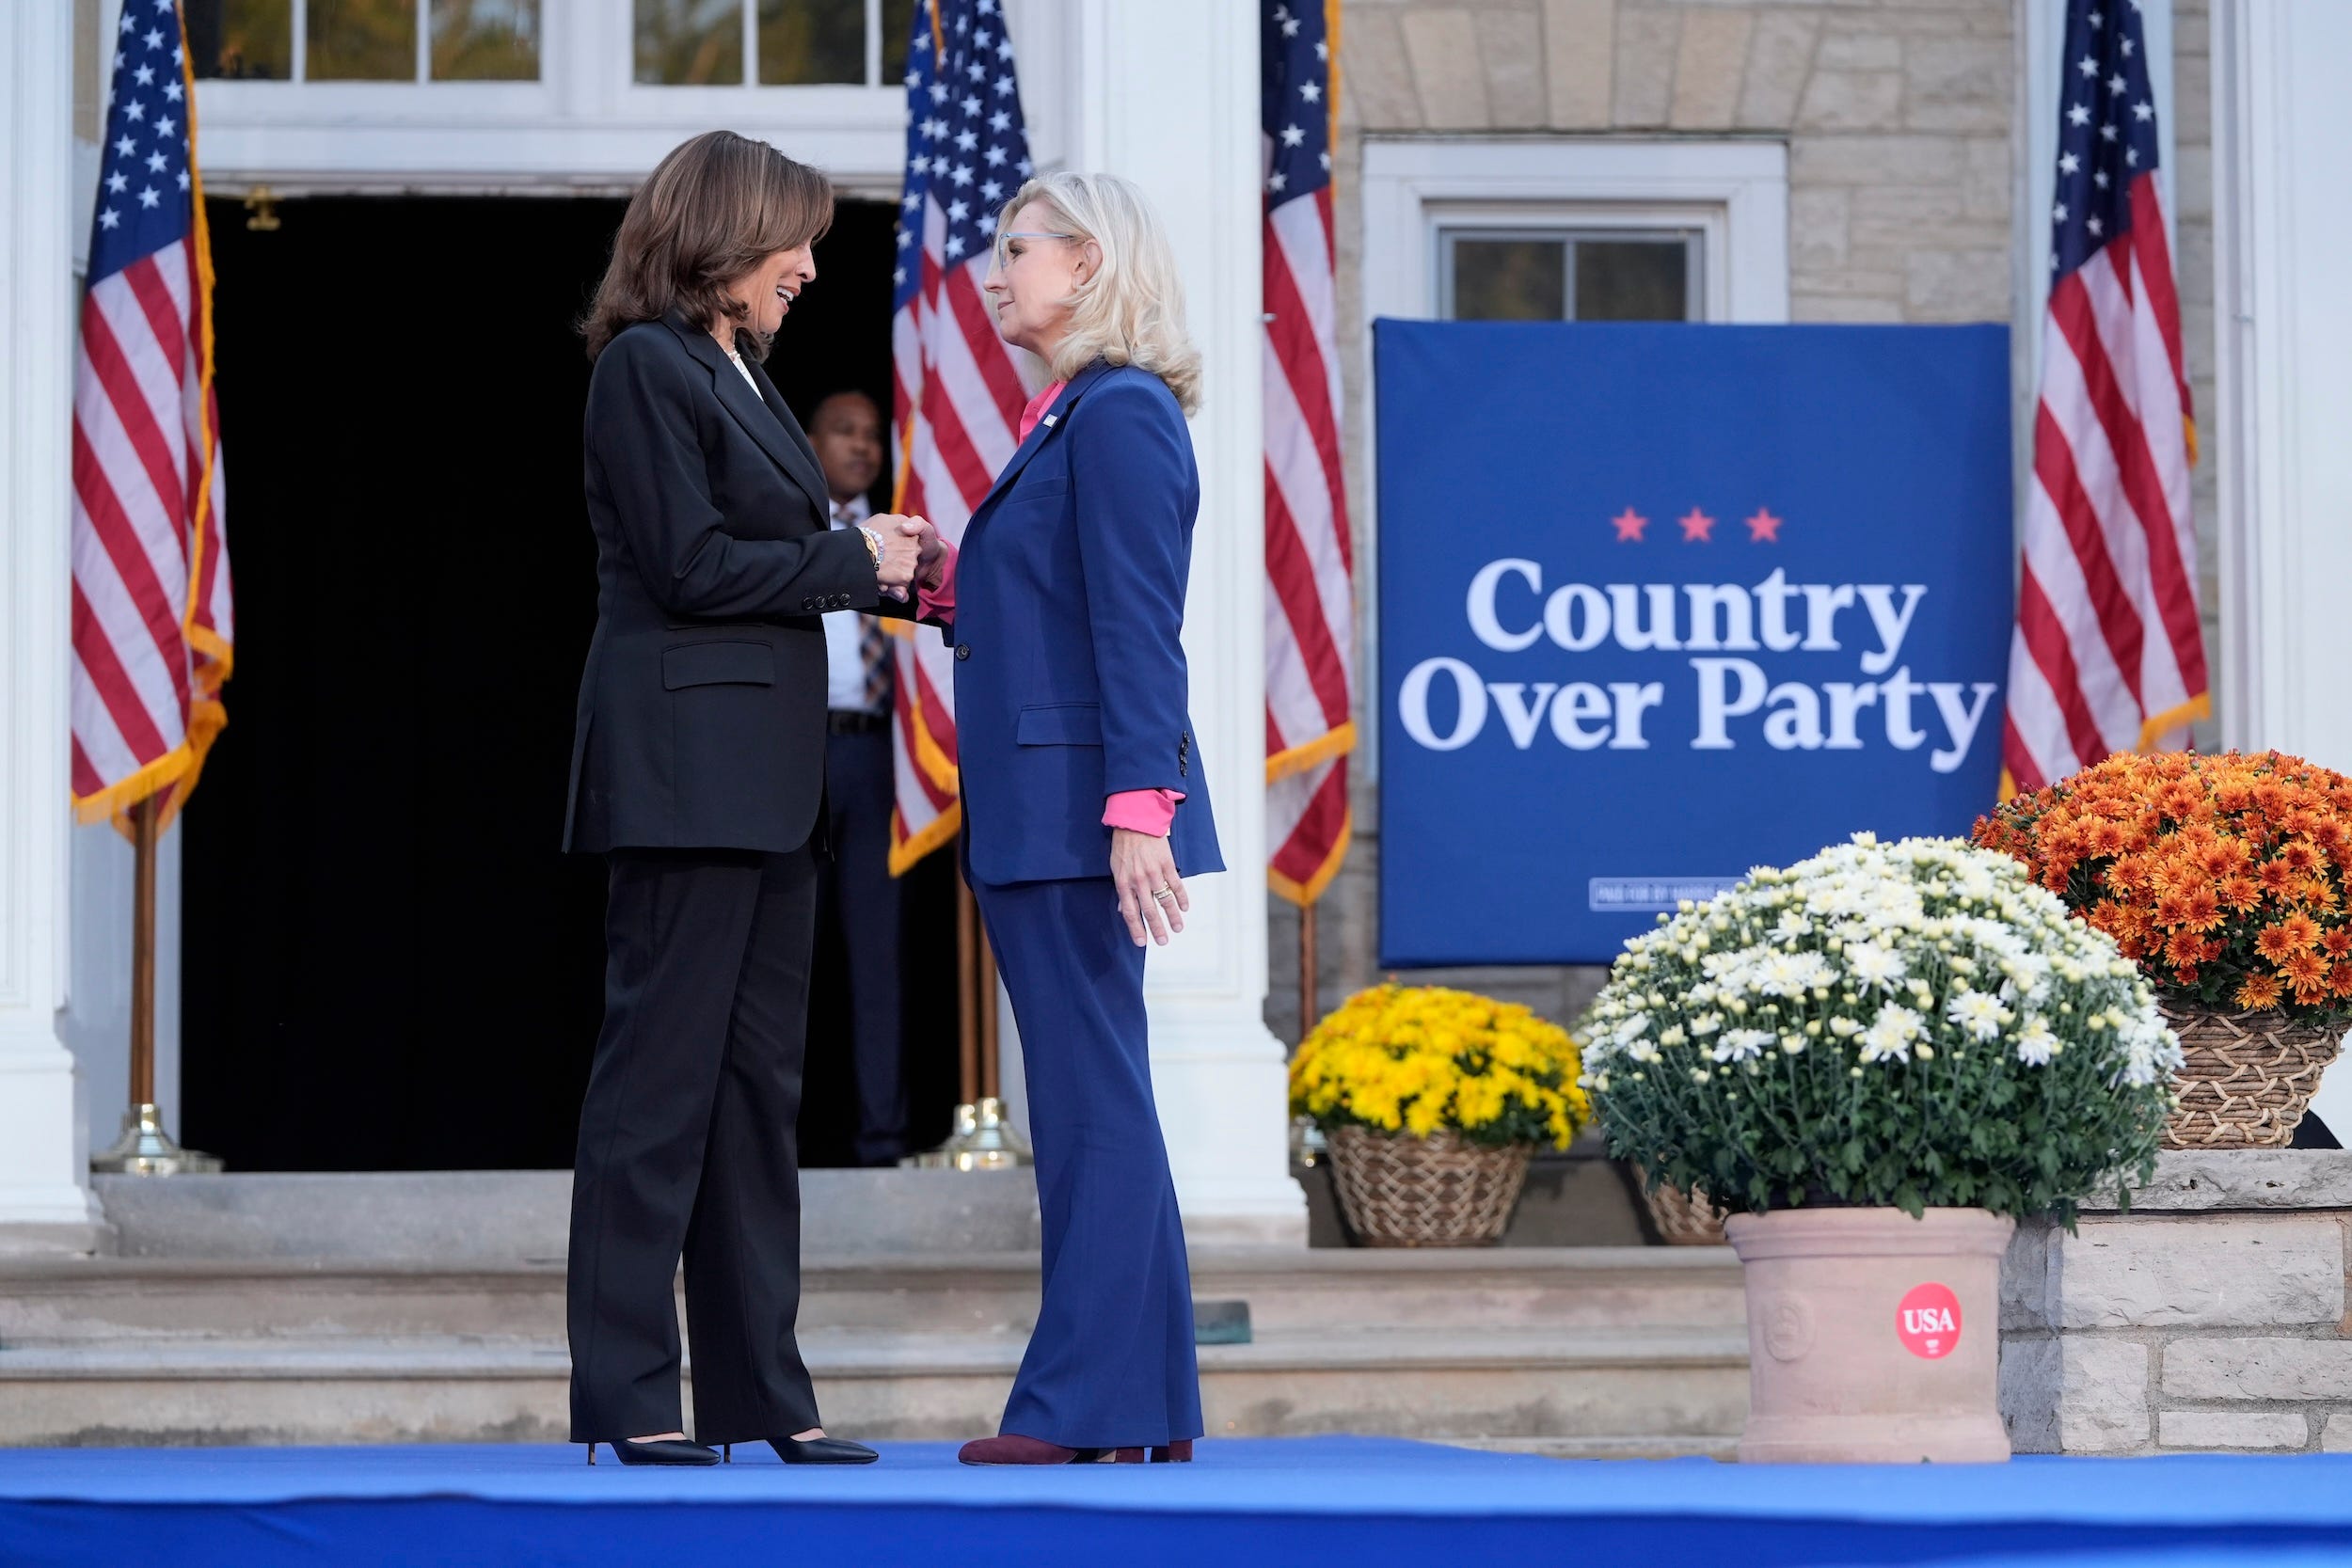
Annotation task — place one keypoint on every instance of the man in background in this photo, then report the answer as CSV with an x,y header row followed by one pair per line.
x,y
860,790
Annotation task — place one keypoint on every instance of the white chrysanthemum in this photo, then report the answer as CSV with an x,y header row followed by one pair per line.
x,y
2036,1044
1890,1033
1875,967
1791,973
1979,1014
1741,1045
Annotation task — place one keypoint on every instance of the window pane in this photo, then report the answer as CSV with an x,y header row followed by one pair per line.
x,y
485,41
242,38
1510,280
1633,280
897,26
812,41
362,41
685,42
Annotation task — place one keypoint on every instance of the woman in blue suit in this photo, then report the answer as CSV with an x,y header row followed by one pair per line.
x,y
1085,807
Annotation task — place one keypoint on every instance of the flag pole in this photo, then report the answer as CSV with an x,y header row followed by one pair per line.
x,y
145,1147
967,994
982,1140
1310,1002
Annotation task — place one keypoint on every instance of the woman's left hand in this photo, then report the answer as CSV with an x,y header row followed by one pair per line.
x,y
1152,896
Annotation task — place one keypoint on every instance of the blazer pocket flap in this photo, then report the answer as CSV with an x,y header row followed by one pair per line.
x,y
1026,489
1060,724
718,664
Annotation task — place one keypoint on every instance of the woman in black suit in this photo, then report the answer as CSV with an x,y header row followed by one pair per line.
x,y
697,769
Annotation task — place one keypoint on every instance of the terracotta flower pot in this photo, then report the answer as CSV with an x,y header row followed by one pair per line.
x,y
1872,1337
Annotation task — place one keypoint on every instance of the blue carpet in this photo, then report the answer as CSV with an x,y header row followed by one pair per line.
x,y
1293,1502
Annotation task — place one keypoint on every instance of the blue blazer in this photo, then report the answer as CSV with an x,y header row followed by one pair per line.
x,y
1069,593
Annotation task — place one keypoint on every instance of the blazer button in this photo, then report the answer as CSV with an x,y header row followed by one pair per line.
x,y
963,650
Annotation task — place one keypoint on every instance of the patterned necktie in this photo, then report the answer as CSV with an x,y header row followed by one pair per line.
x,y
873,646
873,643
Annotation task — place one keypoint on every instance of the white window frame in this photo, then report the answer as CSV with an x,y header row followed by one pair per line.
x,y
1504,224
584,126
1734,193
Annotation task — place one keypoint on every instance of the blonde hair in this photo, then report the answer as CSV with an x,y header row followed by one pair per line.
x,y
1132,310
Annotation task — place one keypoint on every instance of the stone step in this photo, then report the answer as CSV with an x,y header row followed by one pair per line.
x,y
51,1300
1674,1389
505,1216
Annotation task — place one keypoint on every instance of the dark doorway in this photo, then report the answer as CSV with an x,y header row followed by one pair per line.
x,y
388,965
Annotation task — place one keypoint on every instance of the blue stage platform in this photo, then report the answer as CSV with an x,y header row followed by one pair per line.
x,y
1287,1502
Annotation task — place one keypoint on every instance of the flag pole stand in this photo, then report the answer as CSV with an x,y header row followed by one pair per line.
x,y
982,1139
146,1147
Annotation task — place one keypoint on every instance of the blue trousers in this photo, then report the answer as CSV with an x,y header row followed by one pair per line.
x,y
1111,1362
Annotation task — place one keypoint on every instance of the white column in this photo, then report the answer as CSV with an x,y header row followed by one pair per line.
x,y
2283,333
1167,95
45,1200
2283,325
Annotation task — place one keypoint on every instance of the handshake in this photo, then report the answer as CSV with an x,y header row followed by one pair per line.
x,y
910,553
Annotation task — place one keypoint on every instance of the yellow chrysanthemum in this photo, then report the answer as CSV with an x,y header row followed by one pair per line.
x,y
1427,1059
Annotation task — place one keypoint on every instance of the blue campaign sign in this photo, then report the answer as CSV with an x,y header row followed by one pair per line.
x,y
1660,603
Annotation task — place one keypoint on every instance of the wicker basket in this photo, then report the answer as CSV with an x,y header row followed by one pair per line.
x,y
2246,1079
1438,1191
1681,1219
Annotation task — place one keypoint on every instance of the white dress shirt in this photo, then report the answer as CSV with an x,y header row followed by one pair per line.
x,y
845,667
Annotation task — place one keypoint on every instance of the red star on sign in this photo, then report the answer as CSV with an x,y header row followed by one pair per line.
x,y
1629,525
1763,528
1698,525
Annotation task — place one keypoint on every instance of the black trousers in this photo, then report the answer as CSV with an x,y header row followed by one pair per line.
x,y
861,790
687,1147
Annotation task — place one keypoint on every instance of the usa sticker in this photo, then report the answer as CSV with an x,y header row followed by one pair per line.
x,y
1927,1321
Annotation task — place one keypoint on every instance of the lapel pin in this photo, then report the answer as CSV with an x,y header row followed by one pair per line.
x,y
1051,420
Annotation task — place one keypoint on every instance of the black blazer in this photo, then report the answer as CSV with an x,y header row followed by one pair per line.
x,y
702,709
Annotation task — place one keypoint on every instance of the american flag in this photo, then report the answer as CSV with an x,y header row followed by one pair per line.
x,y
1310,606
2108,654
956,391
152,622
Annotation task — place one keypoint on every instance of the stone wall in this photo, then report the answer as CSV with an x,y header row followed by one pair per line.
x,y
2210,1317
1903,120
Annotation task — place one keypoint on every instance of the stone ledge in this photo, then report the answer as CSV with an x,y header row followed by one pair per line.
x,y
2188,1270
2208,1180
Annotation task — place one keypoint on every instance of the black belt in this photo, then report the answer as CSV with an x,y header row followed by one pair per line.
x,y
843,722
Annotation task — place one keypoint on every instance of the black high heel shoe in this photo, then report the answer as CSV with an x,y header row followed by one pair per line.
x,y
662,1451
815,1450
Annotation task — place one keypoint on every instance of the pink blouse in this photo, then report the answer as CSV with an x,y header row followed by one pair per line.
x,y
1144,811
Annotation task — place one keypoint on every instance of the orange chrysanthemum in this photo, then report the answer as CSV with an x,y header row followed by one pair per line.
x,y
2225,877
2276,943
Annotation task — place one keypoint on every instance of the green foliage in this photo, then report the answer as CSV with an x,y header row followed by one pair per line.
x,y
1908,1026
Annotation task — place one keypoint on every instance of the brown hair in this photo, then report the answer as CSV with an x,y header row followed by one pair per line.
x,y
709,212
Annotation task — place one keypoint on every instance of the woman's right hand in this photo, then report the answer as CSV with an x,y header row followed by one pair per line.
x,y
901,554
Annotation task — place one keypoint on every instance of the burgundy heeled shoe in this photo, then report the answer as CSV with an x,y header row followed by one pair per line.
x,y
1011,1448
